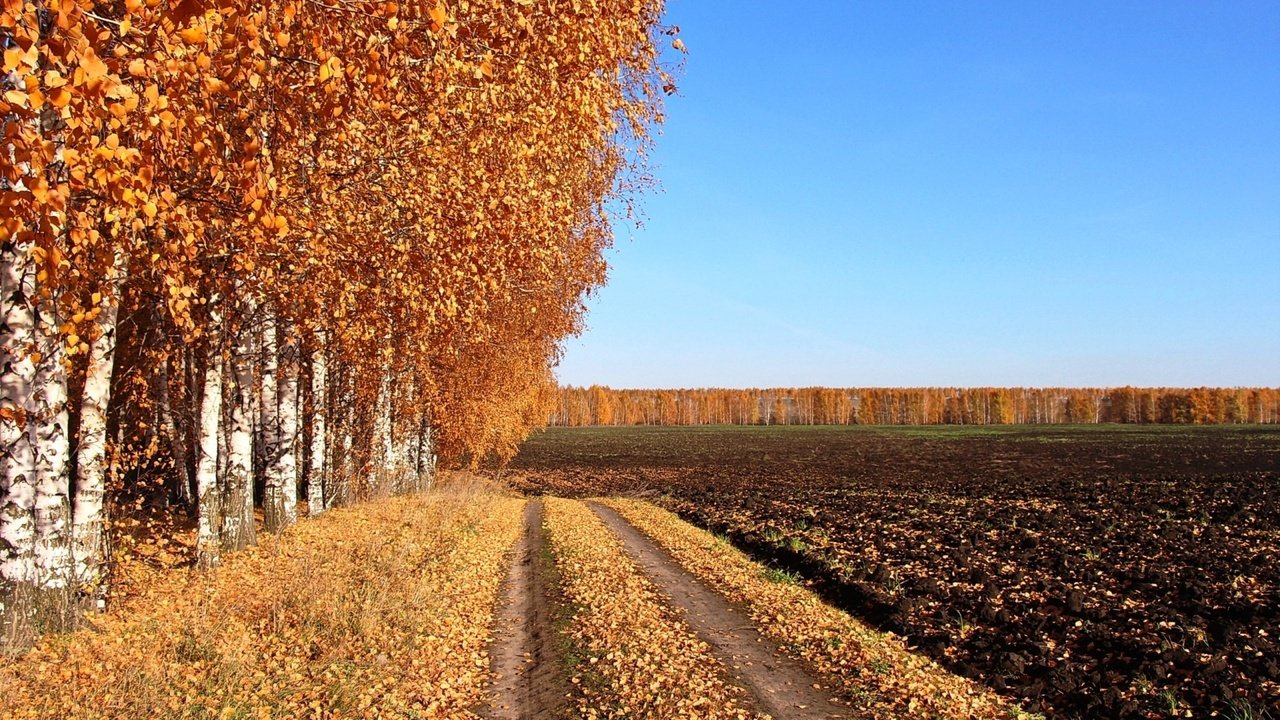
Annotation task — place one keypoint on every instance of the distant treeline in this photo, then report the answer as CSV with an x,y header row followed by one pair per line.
x,y
596,405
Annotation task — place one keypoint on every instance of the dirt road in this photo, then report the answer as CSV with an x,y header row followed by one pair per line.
x,y
529,661
531,678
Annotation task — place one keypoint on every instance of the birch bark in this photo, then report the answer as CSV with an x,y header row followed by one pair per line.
x,y
269,428
52,451
319,387
237,529
88,519
208,492
285,468
17,380
382,450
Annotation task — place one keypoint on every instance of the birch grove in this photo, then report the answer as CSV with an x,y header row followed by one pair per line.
x,y
292,248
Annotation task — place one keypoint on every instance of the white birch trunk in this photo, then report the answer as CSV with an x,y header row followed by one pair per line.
x,y
17,455
269,426
383,450
237,522
52,446
208,492
319,396
89,526
348,428
285,468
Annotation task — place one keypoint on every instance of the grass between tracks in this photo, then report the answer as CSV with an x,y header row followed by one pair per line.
x,y
635,657
874,669
381,610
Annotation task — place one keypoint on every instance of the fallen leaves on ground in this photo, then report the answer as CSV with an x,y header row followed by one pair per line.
x,y
381,610
637,658
875,671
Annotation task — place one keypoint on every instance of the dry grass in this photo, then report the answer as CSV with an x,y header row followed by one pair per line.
x,y
376,611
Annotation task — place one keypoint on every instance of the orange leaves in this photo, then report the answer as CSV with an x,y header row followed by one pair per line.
x,y
194,35
92,71
330,69
442,168
15,58
438,15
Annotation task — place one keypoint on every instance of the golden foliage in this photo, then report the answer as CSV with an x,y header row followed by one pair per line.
x,y
428,183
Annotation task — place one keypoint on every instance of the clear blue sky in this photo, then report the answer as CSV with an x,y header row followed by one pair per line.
x,y
909,193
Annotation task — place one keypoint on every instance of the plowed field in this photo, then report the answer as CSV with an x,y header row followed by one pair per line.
x,y
1100,571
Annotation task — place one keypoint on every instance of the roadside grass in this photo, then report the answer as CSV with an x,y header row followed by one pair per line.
x,y
380,610
635,658
873,669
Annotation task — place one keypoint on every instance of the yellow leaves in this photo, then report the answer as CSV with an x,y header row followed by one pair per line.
x,y
216,86
17,97
12,58
406,111
91,70
16,58
437,15
330,68
194,35
60,98
678,44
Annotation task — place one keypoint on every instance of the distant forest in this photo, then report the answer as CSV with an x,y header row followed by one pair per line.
x,y
597,405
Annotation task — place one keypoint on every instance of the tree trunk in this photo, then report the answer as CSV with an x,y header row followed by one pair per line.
x,y
88,519
381,447
17,381
426,460
285,468
208,492
319,387
344,463
237,529
177,433
269,427
52,448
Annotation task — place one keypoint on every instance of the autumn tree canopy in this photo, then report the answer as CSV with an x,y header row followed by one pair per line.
x,y
253,247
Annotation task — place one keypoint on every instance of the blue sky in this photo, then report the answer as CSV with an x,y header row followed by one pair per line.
x,y
909,193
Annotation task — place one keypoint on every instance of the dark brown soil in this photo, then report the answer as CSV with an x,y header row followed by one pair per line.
x,y
527,660
778,685
1087,572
